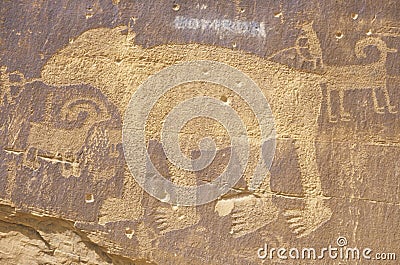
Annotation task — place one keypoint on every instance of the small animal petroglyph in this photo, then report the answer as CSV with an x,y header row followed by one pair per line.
x,y
342,78
53,132
355,77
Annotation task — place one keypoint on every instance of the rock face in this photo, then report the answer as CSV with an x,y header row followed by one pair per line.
x,y
301,101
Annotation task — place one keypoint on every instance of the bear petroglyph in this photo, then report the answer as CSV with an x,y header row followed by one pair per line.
x,y
128,65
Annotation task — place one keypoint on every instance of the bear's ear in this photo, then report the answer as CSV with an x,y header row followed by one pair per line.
x,y
121,29
99,37
126,31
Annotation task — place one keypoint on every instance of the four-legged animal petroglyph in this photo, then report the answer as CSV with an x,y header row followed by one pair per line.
x,y
52,133
354,77
295,114
55,135
343,78
295,98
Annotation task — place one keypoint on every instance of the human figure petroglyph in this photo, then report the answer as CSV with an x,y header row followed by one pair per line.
x,y
307,49
295,113
10,82
308,46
